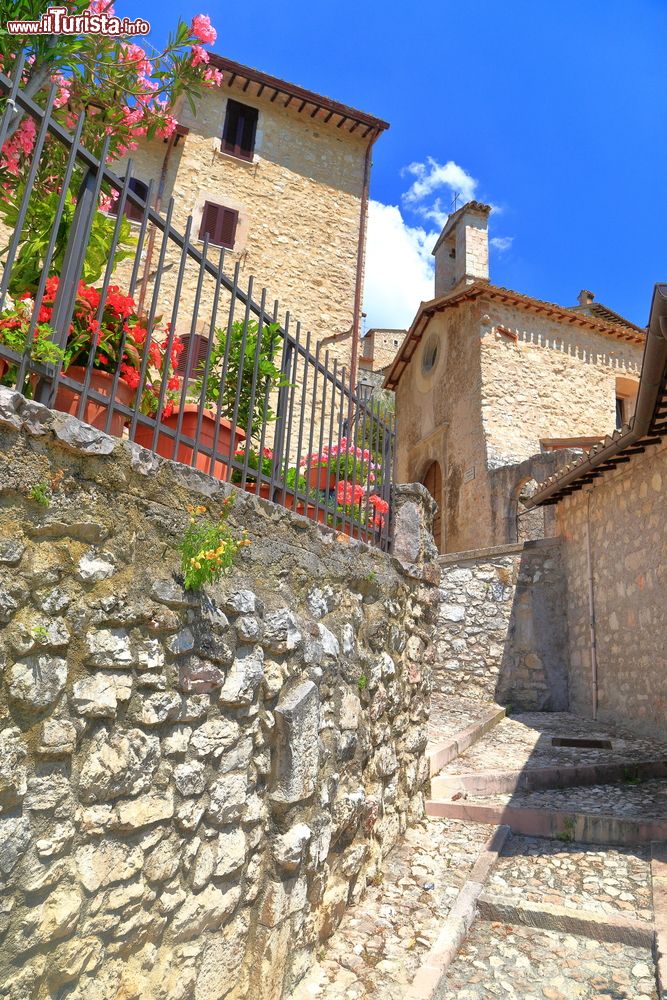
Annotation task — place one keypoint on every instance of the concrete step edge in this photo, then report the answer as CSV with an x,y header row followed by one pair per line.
x,y
569,825
551,917
429,975
536,778
440,754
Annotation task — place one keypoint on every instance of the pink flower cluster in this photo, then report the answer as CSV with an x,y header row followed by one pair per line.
x,y
20,145
203,29
344,449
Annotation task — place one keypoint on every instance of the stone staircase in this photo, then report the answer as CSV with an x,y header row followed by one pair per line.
x,y
537,874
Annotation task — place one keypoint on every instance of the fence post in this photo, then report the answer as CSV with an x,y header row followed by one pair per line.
x,y
282,407
75,254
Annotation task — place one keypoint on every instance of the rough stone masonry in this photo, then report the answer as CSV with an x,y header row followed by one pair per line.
x,y
192,787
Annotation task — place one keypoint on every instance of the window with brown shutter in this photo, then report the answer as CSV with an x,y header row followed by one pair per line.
x,y
220,224
132,212
238,134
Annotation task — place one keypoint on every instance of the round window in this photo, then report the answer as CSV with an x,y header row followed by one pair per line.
x,y
430,354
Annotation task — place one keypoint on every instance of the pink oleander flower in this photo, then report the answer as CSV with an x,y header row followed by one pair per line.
x,y
213,77
136,55
199,55
203,29
168,128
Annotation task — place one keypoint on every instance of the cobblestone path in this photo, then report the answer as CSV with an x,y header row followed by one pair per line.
x,y
384,939
499,960
381,941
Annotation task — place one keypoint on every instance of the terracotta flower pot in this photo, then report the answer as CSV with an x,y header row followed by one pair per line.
x,y
264,490
94,413
321,478
227,443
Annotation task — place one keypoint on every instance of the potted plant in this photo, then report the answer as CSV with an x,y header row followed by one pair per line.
x,y
89,335
364,513
262,464
14,328
340,461
206,396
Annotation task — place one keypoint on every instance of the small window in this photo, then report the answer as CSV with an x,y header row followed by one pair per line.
x,y
238,134
620,412
430,355
132,212
220,224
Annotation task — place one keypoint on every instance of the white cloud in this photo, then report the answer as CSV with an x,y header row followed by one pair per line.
x,y
399,267
502,243
431,177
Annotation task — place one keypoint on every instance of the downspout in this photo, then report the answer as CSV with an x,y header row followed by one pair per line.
x,y
361,253
173,138
591,607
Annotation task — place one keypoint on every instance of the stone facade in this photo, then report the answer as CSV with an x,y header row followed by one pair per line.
x,y
499,632
192,786
488,385
299,203
627,512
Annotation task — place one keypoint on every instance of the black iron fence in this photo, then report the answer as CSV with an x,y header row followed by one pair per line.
x,y
135,329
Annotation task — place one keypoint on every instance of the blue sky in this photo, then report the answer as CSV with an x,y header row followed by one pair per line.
x,y
556,113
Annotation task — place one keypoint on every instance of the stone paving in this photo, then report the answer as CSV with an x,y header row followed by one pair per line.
x,y
450,716
644,801
383,939
524,741
499,960
613,881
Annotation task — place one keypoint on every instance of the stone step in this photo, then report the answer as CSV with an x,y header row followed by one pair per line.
x,y
441,753
565,824
444,786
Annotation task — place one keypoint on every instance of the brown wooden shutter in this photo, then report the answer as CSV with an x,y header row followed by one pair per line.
x,y
240,129
132,212
228,220
198,359
220,223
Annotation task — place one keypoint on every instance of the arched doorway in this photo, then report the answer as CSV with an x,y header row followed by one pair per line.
x,y
432,480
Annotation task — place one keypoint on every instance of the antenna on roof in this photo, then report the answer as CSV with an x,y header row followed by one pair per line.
x,y
457,195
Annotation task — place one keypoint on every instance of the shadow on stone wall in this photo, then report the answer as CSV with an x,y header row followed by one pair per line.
x,y
501,630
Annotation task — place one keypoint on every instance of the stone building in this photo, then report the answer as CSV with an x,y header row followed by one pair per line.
x,y
279,176
610,512
491,386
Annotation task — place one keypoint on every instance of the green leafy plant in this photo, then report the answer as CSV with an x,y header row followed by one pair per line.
x,y
39,493
362,683
209,547
239,372
263,464
631,776
36,234
567,834
39,633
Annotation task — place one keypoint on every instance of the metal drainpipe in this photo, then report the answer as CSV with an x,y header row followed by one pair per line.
x,y
151,236
361,253
591,607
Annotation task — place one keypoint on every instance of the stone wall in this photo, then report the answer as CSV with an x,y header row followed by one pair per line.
x,y
499,633
628,512
192,787
553,381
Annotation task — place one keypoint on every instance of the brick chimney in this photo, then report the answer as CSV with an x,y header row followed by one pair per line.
x,y
462,251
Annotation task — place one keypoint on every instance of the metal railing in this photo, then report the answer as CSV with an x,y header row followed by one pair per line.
x,y
257,403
